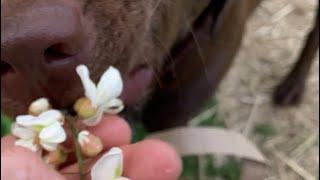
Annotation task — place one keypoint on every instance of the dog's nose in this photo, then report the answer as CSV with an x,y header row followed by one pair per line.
x,y
41,45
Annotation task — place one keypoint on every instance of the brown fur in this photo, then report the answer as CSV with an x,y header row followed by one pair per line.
x,y
188,47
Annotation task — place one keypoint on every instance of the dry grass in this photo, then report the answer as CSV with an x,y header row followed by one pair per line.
x,y
275,35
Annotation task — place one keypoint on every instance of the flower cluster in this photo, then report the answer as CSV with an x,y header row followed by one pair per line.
x,y
99,99
42,128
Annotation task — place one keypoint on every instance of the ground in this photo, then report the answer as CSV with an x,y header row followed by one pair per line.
x,y
287,136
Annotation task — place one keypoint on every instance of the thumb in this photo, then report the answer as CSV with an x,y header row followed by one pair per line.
x,y
21,163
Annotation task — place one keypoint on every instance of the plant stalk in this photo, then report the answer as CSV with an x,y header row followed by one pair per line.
x,y
78,150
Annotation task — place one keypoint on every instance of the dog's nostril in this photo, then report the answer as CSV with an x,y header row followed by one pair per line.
x,y
58,52
6,68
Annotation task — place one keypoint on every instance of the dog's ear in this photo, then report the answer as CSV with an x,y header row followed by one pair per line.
x,y
199,64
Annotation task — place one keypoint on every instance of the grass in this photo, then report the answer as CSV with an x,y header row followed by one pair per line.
x,y
5,125
230,169
265,130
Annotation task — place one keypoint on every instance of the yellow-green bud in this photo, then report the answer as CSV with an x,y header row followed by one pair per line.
x,y
90,145
84,108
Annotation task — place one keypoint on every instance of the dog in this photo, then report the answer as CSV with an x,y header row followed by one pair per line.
x,y
172,54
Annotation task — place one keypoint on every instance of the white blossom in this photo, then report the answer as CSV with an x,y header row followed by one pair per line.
x,y
109,166
44,131
38,106
104,95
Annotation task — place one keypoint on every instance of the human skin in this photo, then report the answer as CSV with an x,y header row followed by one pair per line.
x,y
145,160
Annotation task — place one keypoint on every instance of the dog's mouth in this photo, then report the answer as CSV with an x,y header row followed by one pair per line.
x,y
135,83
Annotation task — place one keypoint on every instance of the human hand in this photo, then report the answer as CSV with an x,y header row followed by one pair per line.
x,y
145,160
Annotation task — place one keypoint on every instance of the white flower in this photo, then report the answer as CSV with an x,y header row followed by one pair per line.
x,y
109,166
44,130
27,137
38,106
104,95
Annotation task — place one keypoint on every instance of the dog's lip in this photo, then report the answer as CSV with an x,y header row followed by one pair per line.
x,y
135,84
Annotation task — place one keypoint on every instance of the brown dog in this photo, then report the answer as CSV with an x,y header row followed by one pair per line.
x,y
172,53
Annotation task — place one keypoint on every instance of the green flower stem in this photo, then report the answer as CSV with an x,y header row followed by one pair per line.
x,y
78,149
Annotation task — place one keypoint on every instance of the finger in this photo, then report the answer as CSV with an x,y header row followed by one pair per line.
x,y
149,159
112,130
7,142
21,163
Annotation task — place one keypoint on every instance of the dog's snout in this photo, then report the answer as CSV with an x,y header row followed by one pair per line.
x,y
40,45
44,36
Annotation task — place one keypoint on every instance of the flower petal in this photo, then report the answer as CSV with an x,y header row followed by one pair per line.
x,y
83,137
94,120
49,146
110,86
49,117
44,119
22,132
114,106
109,166
26,120
53,134
27,143
38,106
89,86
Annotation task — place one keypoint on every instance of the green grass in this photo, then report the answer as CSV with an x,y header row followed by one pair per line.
x,y
266,130
229,170
263,132
5,125
139,132
190,167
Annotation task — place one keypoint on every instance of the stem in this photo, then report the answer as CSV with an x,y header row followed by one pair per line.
x,y
78,150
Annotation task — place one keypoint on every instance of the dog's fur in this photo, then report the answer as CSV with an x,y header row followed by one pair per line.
x,y
188,44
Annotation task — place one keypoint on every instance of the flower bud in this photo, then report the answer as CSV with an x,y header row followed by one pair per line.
x,y
38,106
84,108
90,145
56,157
